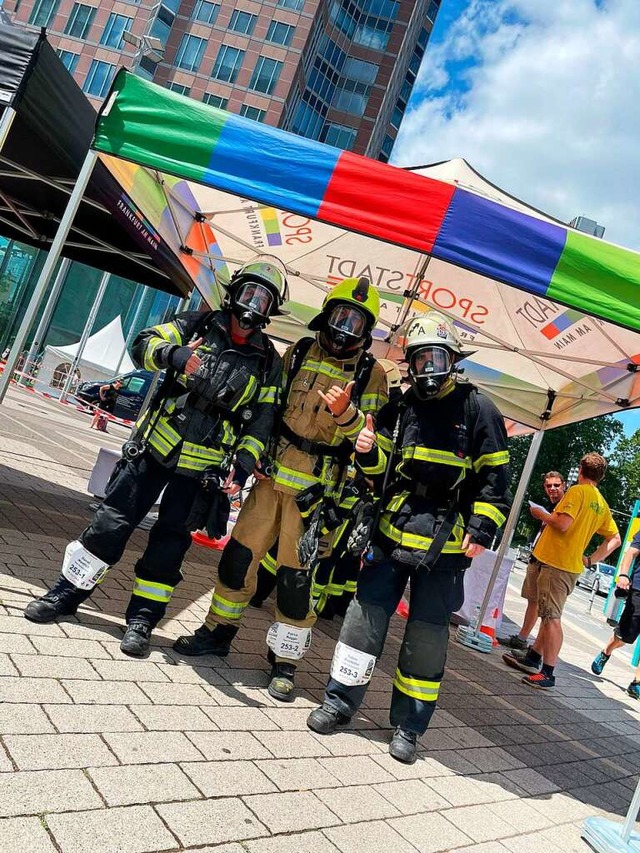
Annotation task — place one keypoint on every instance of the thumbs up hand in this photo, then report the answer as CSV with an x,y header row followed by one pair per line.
x,y
194,361
367,437
338,399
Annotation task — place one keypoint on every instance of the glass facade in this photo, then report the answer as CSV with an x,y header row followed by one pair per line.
x,y
99,78
280,33
190,52
43,12
265,75
242,22
252,112
112,33
205,12
80,20
215,101
69,59
228,63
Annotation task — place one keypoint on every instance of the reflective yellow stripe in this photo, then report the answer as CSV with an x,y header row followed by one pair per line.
x,y
149,362
294,479
223,607
353,430
170,332
481,508
417,688
248,393
268,395
371,403
385,442
397,501
421,543
311,366
440,457
269,563
252,446
379,466
152,591
350,586
501,457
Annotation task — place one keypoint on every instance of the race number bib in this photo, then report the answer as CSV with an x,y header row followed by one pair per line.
x,y
286,641
351,666
82,568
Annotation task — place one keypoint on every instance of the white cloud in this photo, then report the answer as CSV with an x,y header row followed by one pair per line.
x,y
549,108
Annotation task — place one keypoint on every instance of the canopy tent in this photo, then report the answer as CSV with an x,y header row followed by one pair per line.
x,y
46,126
99,358
558,345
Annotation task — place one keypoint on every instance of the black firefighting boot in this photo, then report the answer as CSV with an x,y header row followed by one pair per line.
x,y
63,599
136,638
404,746
281,684
206,642
326,719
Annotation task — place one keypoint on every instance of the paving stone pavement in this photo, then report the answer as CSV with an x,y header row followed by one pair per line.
x,y
99,752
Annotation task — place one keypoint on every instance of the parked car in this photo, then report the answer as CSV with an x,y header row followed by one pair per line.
x,y
130,396
600,576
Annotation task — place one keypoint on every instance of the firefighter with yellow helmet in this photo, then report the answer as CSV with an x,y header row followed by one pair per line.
x,y
331,383
199,441
442,453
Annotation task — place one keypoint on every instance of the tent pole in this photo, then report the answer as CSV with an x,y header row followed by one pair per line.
x,y
132,327
88,326
50,307
6,121
47,270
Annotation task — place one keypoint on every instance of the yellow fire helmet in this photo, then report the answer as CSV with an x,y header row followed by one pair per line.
x,y
358,292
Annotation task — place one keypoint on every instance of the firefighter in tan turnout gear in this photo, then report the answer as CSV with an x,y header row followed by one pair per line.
x,y
200,439
330,384
445,449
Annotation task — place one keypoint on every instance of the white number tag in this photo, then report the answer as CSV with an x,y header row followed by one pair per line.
x,y
286,641
351,666
82,568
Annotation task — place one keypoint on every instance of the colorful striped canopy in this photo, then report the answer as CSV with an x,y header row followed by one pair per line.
x,y
220,187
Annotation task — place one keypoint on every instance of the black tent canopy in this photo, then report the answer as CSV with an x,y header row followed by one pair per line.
x,y
47,124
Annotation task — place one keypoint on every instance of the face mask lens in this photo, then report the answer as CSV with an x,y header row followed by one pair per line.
x,y
255,297
348,321
430,362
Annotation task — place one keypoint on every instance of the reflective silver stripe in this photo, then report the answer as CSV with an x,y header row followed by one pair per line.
x,y
153,591
224,607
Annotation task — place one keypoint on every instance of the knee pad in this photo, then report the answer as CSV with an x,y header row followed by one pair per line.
x,y
350,666
82,568
294,592
288,641
424,650
234,564
365,627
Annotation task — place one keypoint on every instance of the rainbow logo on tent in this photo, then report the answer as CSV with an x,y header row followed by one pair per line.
x,y
561,323
271,226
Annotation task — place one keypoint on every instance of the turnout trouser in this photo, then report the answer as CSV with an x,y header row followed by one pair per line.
x,y
266,515
434,596
131,494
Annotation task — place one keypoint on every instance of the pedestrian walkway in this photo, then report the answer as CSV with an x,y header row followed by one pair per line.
x,y
102,753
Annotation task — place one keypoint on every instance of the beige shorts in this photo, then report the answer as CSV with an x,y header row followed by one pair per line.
x,y
549,587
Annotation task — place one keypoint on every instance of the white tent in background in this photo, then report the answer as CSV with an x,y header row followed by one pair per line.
x,y
99,360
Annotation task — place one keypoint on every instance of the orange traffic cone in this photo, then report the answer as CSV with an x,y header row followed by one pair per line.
x,y
490,630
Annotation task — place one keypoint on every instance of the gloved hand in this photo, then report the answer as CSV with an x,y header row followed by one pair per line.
x,y
362,530
309,541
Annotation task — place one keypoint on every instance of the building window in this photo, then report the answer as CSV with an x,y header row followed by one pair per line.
x,y
205,12
190,52
339,135
179,88
307,121
280,33
396,118
387,146
99,78
228,63
351,97
80,20
433,11
215,101
296,5
146,68
381,8
265,75
112,33
252,112
43,12
69,59
242,22
358,69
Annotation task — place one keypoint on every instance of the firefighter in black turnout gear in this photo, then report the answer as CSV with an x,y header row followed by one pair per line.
x,y
446,498
199,441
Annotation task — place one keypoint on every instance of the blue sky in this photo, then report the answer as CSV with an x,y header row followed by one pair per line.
x,y
541,97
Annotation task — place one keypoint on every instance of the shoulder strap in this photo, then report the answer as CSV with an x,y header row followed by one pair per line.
x,y
471,409
300,349
362,376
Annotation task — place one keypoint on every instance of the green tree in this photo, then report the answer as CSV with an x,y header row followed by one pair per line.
x,y
562,448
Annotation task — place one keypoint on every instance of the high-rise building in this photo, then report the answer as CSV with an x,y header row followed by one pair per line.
x,y
339,71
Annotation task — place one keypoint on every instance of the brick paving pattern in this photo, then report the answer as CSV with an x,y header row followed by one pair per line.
x,y
99,752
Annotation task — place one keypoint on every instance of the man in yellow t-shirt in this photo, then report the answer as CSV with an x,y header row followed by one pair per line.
x,y
558,559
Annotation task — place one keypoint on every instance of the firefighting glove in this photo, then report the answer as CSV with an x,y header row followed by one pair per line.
x,y
310,540
362,530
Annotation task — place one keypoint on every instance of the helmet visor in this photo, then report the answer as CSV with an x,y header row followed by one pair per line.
x,y
255,297
429,361
347,320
